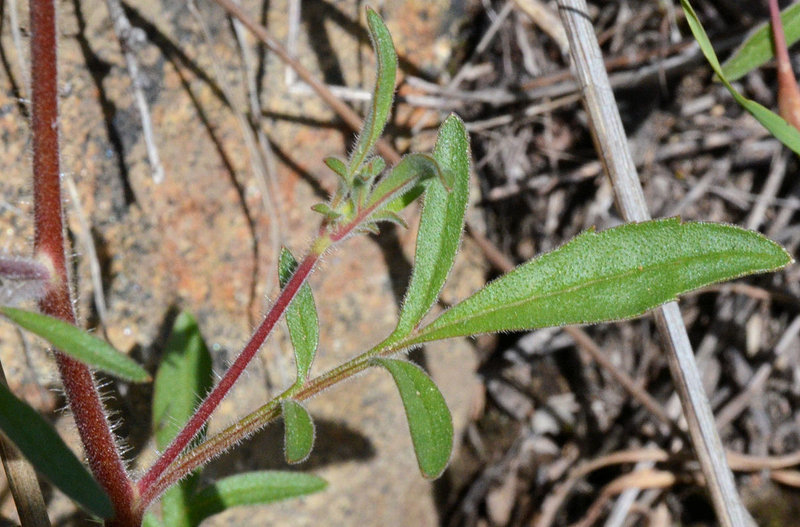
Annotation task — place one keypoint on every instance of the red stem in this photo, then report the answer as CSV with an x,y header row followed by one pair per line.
x,y
207,407
81,391
788,91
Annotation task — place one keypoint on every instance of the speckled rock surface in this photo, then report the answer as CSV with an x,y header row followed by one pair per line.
x,y
202,241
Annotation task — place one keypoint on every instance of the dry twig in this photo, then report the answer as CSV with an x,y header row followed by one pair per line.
x,y
611,143
130,39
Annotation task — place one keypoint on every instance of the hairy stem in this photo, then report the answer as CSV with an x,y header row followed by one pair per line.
x,y
84,399
210,403
255,421
155,481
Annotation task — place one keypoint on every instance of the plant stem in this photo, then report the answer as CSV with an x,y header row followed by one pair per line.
x,y
210,403
153,482
255,421
788,91
82,394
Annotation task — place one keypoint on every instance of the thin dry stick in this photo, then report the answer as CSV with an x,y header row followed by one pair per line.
x,y
611,143
85,239
350,117
484,42
257,162
541,14
755,386
267,183
774,180
16,37
22,482
128,41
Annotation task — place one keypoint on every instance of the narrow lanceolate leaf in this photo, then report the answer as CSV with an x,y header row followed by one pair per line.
x,y
383,94
48,454
757,49
301,317
440,226
183,378
252,488
78,344
429,419
777,126
298,436
410,171
616,274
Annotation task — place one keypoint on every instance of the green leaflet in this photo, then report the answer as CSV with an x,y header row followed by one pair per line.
x,y
298,436
757,48
150,520
405,175
301,317
78,344
183,377
252,488
383,95
429,419
778,127
338,166
616,274
175,503
440,226
48,454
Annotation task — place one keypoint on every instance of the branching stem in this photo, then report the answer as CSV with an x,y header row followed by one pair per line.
x,y
155,481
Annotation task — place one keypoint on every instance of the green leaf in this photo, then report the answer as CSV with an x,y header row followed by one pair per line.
x,y
616,274
176,508
150,520
412,169
757,48
390,217
338,166
429,418
301,317
407,198
326,210
78,344
252,488
777,126
440,226
382,96
48,454
298,436
183,378
373,166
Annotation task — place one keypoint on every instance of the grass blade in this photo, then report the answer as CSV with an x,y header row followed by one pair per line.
x,y
777,126
757,49
78,344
